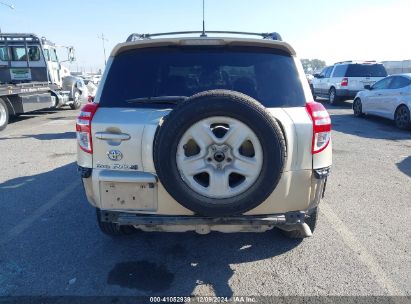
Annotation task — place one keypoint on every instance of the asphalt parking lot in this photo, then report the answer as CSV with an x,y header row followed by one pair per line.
x,y
50,244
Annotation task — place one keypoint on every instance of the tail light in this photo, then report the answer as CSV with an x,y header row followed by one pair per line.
x,y
83,127
321,126
344,82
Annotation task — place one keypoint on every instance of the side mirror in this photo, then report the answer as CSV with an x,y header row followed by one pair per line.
x,y
367,87
71,55
316,75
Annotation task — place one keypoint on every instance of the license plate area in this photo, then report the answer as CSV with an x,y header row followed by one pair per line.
x,y
128,196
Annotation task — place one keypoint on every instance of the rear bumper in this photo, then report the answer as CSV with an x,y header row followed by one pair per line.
x,y
346,93
134,198
204,225
125,218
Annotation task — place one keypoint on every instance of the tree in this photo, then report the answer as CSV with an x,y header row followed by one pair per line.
x,y
312,65
306,65
317,64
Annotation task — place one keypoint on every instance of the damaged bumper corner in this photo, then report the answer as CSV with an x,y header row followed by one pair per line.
x,y
320,177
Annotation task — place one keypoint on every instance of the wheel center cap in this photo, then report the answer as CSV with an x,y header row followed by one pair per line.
x,y
219,156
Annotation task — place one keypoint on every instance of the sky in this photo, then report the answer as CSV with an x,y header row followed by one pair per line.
x,y
330,30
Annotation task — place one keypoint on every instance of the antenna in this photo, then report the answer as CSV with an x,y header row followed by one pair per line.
x,y
203,34
104,47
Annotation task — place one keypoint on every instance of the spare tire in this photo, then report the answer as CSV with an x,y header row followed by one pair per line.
x,y
219,153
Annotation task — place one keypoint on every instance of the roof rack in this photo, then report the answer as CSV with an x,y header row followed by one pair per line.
x,y
136,36
18,36
357,61
345,61
21,37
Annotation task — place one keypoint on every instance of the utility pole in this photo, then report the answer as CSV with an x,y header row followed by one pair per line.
x,y
103,39
11,6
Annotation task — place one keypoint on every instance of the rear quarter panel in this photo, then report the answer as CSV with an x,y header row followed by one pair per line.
x,y
137,151
323,159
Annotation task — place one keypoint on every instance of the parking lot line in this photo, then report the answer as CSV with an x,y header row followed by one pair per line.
x,y
27,222
365,257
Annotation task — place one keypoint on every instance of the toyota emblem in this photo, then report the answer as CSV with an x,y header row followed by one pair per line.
x,y
115,155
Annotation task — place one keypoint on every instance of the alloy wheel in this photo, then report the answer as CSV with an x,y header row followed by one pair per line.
x,y
402,117
219,157
357,106
332,96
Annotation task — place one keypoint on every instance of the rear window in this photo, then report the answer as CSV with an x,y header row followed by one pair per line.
x,y
340,70
399,82
18,53
366,70
268,75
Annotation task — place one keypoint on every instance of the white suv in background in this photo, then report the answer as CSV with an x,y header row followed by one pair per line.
x,y
344,80
204,134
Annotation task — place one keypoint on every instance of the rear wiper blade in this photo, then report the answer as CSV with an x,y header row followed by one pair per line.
x,y
158,99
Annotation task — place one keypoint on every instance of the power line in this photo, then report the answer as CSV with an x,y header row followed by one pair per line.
x,y
6,4
11,6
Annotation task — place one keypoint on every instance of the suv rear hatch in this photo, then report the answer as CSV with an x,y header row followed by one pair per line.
x,y
142,85
361,74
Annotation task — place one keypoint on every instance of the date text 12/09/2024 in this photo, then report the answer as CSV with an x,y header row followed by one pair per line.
x,y
203,299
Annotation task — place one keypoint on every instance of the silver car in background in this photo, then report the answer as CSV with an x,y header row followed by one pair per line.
x,y
78,91
389,98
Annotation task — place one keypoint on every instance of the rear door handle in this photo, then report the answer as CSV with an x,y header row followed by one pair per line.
x,y
112,136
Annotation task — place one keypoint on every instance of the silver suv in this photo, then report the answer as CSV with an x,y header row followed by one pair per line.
x,y
344,80
204,134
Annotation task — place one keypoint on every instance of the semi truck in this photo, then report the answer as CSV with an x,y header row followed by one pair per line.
x,y
33,78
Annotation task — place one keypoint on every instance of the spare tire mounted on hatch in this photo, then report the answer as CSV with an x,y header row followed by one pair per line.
x,y
219,153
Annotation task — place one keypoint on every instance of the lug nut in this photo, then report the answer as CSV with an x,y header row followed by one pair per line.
x,y
209,159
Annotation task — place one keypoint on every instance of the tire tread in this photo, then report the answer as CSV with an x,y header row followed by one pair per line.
x,y
3,104
113,229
